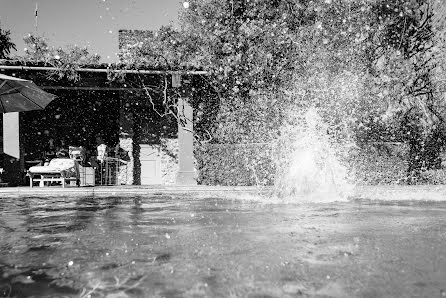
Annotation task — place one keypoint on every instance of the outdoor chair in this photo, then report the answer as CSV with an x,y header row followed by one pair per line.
x,y
77,153
86,171
59,170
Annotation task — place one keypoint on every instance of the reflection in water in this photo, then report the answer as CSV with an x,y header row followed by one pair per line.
x,y
185,247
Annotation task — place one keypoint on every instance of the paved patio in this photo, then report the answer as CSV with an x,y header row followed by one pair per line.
x,y
124,190
382,193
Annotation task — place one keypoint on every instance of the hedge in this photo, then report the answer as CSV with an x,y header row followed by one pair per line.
x,y
379,163
253,164
235,164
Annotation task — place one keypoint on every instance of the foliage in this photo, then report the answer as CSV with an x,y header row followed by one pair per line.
x,y
366,65
374,71
248,48
434,177
288,52
407,63
165,48
5,43
37,49
236,165
67,60
379,163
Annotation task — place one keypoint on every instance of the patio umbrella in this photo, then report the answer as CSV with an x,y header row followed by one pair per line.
x,y
19,95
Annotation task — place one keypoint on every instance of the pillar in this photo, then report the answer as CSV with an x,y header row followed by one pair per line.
x,y
126,122
186,173
13,163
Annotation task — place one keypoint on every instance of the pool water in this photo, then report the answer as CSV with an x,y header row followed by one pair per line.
x,y
179,246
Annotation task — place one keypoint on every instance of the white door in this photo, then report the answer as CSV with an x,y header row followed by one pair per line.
x,y
150,159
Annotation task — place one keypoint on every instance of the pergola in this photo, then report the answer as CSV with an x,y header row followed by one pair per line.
x,y
96,79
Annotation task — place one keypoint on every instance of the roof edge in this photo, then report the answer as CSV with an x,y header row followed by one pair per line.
x,y
14,64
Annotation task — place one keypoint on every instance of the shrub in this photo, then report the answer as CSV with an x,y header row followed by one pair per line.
x,y
253,164
235,164
379,163
432,177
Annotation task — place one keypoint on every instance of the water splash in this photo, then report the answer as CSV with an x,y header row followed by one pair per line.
x,y
308,164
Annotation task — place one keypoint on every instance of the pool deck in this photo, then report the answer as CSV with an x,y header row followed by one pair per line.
x,y
124,190
382,192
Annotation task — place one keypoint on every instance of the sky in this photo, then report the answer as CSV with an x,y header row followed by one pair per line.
x,y
91,23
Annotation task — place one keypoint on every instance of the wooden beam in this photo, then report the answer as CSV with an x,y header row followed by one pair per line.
x,y
105,70
90,88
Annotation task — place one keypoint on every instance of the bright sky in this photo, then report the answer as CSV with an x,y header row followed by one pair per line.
x,y
91,23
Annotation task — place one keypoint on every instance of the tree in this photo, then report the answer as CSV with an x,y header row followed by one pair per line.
x,y
250,49
409,59
245,65
66,61
372,68
394,56
5,44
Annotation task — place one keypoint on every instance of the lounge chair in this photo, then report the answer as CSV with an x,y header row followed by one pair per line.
x,y
59,170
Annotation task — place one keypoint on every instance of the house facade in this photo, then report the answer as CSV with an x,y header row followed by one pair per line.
x,y
159,145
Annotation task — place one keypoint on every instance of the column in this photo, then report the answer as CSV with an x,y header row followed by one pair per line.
x,y
186,174
126,120
13,163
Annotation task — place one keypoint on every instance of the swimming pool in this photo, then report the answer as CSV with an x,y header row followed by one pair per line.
x,y
180,246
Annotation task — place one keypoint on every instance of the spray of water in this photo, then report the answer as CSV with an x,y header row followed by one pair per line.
x,y
307,160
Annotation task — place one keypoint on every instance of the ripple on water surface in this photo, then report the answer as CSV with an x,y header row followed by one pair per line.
x,y
163,246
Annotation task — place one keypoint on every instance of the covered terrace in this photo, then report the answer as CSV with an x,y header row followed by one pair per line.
x,y
123,111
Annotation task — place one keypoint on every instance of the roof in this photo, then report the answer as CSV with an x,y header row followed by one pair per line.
x,y
101,67
91,77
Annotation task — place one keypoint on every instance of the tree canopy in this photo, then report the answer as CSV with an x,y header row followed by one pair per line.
x,y
374,69
6,45
65,60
